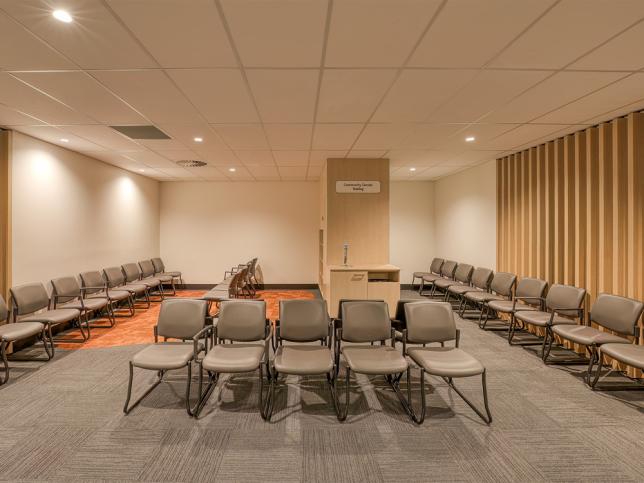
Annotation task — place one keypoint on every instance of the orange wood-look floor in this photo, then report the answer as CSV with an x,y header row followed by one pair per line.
x,y
139,328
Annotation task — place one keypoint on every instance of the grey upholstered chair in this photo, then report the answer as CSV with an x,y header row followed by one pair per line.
x,y
447,270
300,322
133,276
433,274
147,273
94,285
183,320
367,322
159,269
116,280
480,282
433,322
500,289
528,295
68,294
612,312
462,276
244,324
12,332
31,302
630,354
563,305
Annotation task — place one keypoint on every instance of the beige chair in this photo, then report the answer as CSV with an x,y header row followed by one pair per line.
x,y
563,305
184,321
133,276
302,322
12,332
147,274
244,325
116,281
434,273
500,289
433,322
67,294
31,302
462,276
612,312
630,354
528,295
448,267
94,285
480,282
367,322
159,269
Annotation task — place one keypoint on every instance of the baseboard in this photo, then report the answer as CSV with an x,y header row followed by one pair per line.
x,y
195,286
267,286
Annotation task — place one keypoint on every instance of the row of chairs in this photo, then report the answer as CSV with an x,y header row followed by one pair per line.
x,y
238,282
241,338
32,312
558,310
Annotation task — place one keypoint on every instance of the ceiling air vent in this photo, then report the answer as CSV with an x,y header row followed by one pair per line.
x,y
141,132
191,163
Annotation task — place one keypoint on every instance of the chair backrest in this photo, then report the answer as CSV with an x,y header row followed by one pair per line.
x,y
304,320
158,265
131,271
252,267
616,313
400,309
481,278
435,267
365,321
29,298
92,279
66,288
565,296
4,311
147,269
503,283
181,318
531,287
448,268
341,302
114,276
463,273
242,320
430,322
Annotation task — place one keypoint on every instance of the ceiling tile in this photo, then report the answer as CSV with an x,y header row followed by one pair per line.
x,y
484,134
106,137
571,29
470,158
487,91
352,95
526,133
291,158
289,136
335,136
221,95
417,93
314,172
366,153
242,136
264,172
284,95
430,136
186,134
199,40
152,93
624,52
54,135
178,173
376,33
177,154
418,158
438,172
208,173
160,145
383,136
282,33
469,33
240,174
84,94
13,117
152,159
255,157
94,40
318,158
293,172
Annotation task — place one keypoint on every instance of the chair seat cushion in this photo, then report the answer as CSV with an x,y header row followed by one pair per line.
x,y
430,277
55,316
587,335
630,354
20,330
91,303
482,296
541,319
118,294
133,287
446,361
216,295
444,282
374,359
171,274
150,282
422,274
303,359
165,355
164,278
506,306
234,357
461,288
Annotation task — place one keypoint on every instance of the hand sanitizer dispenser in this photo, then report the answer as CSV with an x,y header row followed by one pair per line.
x,y
346,254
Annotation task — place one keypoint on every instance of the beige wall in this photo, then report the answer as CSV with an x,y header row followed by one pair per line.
x,y
208,226
72,213
465,216
411,226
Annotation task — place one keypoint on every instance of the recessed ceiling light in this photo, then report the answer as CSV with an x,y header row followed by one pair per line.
x,y
232,170
63,16
412,169
141,171
64,140
198,140
470,139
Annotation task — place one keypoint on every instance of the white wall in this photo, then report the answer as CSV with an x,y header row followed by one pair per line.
x,y
72,213
465,216
411,243
206,227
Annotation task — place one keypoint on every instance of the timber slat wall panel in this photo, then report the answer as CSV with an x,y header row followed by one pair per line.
x,y
571,211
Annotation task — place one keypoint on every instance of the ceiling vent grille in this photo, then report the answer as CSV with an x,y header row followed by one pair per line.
x,y
141,132
191,163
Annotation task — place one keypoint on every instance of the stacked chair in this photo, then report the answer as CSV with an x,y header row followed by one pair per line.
x,y
434,273
447,269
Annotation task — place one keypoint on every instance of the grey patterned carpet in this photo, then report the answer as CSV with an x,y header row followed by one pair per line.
x,y
63,421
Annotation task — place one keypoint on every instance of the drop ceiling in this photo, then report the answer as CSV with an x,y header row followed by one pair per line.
x,y
274,87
